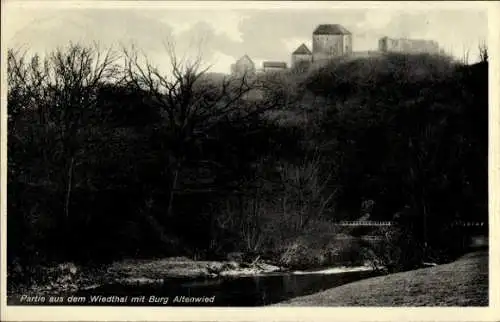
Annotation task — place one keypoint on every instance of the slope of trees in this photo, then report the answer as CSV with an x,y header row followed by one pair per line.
x,y
109,160
412,131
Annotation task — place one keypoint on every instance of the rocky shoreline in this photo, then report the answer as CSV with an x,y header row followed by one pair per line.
x,y
69,278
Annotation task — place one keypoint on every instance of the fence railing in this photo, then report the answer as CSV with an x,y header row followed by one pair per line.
x,y
460,223
391,223
365,223
367,238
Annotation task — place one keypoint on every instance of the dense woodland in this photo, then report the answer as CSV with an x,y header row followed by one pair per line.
x,y
110,158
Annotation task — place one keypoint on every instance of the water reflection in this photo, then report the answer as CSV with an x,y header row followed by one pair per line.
x,y
241,291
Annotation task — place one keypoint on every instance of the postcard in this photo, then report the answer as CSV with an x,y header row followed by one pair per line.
x,y
248,161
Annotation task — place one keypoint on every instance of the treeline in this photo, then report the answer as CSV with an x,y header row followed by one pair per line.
x,y
109,159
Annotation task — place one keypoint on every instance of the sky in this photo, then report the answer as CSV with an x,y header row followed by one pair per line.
x,y
223,32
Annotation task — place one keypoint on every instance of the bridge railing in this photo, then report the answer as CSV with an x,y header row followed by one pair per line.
x,y
391,223
365,223
368,238
460,223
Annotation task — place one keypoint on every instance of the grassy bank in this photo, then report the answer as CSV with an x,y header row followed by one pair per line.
x,y
460,283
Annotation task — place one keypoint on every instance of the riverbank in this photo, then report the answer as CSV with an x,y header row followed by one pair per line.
x,y
182,267
335,270
68,277
463,282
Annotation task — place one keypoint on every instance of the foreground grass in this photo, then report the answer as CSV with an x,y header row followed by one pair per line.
x,y
460,283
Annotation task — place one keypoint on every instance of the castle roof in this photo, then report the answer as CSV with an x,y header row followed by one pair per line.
x,y
329,29
243,59
302,50
274,64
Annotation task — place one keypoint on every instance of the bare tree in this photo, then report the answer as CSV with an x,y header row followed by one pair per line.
x,y
483,52
281,209
306,195
192,103
25,79
465,57
60,90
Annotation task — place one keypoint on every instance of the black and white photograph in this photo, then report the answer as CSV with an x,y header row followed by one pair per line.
x,y
246,154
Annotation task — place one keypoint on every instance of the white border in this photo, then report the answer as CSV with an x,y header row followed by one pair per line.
x,y
38,313
265,5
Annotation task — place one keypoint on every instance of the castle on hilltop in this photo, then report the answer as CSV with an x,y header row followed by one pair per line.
x,y
328,41
331,41
405,45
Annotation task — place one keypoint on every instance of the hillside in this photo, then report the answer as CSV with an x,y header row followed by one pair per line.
x,y
460,283
146,166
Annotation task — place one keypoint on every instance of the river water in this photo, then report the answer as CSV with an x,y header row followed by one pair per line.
x,y
230,291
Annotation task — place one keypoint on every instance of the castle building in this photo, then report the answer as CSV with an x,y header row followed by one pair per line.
x,y
271,66
331,40
301,54
243,66
404,45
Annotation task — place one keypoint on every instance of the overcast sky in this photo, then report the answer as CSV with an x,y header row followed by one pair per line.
x,y
227,31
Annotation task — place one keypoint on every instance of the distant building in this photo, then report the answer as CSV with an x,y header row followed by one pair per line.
x,y
270,66
301,54
243,66
404,45
331,40
365,54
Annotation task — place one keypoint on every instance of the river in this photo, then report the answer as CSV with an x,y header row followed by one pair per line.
x,y
246,291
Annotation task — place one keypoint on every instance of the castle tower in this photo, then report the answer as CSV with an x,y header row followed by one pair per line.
x,y
331,41
301,54
243,66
